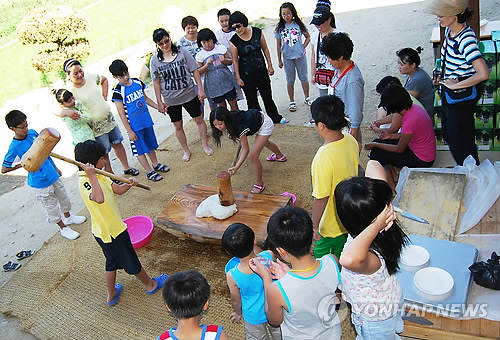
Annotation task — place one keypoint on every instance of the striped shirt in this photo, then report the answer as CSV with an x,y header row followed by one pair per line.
x,y
459,52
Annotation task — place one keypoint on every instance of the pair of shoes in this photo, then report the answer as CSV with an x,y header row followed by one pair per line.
x,y
160,281
118,288
257,189
292,107
274,158
308,101
154,176
284,121
24,254
74,219
11,266
69,233
131,171
161,167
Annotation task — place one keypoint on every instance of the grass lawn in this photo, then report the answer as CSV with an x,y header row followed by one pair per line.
x,y
113,25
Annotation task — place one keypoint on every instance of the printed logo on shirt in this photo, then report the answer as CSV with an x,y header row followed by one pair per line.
x,y
175,75
290,36
136,95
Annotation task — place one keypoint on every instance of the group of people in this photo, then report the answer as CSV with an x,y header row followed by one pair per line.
x,y
358,241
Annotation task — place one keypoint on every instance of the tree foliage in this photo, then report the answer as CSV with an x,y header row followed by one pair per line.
x,y
54,25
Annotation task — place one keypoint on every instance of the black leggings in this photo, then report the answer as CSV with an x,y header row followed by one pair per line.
x,y
399,160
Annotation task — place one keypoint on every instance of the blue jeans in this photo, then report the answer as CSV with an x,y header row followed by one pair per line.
x,y
387,329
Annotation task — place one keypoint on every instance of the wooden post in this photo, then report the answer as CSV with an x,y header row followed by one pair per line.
x,y
225,188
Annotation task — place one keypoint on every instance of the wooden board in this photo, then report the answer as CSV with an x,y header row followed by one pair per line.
x,y
179,216
436,197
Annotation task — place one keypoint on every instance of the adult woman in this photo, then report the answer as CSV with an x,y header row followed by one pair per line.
x,y
463,67
324,21
171,69
92,90
417,81
250,68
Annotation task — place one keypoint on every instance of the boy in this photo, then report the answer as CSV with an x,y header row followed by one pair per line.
x,y
347,83
246,287
110,232
336,160
130,100
186,295
302,300
49,189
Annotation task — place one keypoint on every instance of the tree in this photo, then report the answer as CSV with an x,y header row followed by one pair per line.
x,y
54,26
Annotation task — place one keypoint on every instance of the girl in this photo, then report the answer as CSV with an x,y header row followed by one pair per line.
x,y
171,69
417,81
250,69
415,146
219,83
370,256
239,125
288,33
463,67
75,115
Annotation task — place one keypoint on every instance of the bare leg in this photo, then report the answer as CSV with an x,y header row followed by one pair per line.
x,y
234,105
181,137
202,130
375,170
153,158
107,163
148,282
305,89
274,148
110,278
255,150
291,92
144,162
121,154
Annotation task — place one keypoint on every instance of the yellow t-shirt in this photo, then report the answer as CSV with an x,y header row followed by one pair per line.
x,y
333,163
106,218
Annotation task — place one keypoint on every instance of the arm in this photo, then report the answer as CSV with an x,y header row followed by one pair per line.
x,y
245,148
413,93
121,111
354,109
104,87
157,87
73,114
197,78
120,189
234,54
395,121
227,59
278,50
267,55
404,139
313,63
356,255
150,102
204,67
235,298
96,194
308,39
7,169
482,74
318,207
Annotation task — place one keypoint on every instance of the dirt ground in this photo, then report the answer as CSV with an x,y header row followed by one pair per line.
x,y
393,24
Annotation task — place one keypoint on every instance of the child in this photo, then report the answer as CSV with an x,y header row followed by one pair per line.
x,y
219,83
336,160
186,295
370,257
49,189
98,193
415,146
246,287
302,300
130,100
75,115
288,34
239,125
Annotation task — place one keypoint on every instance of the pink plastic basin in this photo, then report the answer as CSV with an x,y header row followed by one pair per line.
x,y
140,229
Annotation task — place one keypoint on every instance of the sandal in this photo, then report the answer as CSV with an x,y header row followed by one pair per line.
x,y
308,101
284,121
24,254
11,266
274,158
131,171
154,176
257,189
161,167
292,107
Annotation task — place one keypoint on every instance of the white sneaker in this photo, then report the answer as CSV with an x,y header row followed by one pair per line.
x,y
74,219
69,233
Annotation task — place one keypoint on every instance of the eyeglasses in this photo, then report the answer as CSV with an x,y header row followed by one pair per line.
x,y
236,26
163,41
22,127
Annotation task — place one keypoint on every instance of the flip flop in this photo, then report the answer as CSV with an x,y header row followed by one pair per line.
x,y
11,266
118,288
286,193
160,281
257,189
24,254
131,171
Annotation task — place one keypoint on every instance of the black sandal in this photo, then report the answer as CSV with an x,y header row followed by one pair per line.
x,y
24,254
161,167
11,266
131,171
154,176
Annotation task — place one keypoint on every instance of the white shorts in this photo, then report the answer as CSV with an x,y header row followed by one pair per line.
x,y
267,127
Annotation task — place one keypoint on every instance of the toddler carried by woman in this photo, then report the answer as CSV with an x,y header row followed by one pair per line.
x,y
75,115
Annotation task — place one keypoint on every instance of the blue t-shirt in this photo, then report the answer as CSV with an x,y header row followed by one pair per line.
x,y
45,176
291,41
252,293
136,109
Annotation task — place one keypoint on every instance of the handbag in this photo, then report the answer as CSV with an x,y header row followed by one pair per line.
x,y
323,76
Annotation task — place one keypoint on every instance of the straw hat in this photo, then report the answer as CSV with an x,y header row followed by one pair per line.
x,y
445,8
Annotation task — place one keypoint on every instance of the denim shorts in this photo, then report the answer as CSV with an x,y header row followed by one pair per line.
x,y
111,138
387,329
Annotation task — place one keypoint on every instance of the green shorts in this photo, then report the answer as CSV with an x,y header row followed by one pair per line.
x,y
329,245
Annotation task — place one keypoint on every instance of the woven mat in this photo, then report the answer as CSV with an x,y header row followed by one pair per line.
x,y
60,291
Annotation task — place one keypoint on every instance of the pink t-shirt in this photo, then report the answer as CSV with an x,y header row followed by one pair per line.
x,y
417,123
